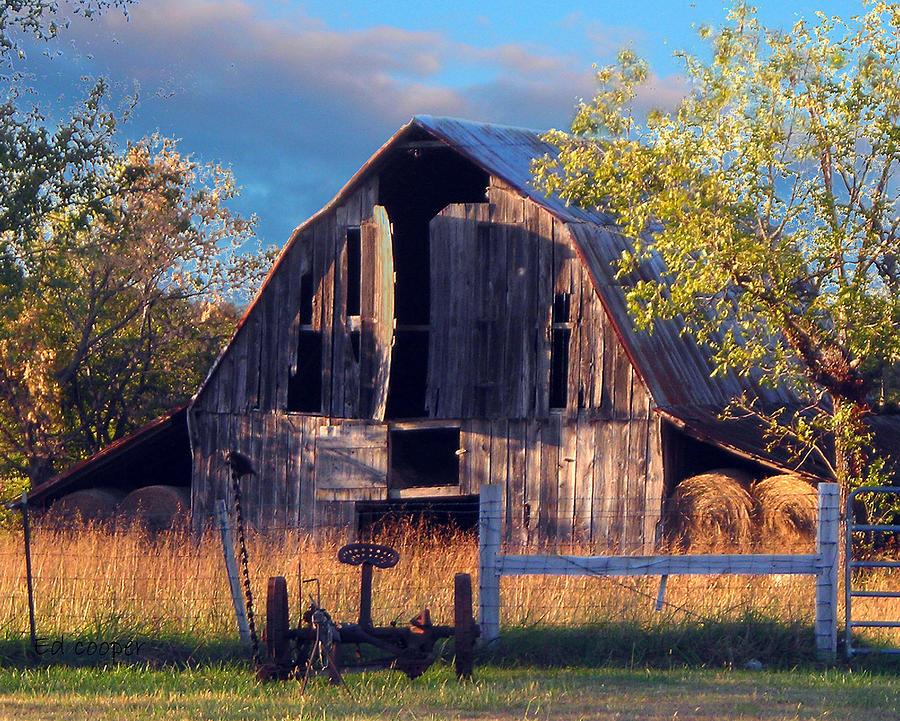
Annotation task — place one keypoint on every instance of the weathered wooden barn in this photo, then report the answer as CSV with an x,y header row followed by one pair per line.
x,y
440,325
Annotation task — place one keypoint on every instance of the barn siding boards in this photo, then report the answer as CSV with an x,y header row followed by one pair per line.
x,y
499,470
307,512
566,494
288,329
368,362
292,438
517,283
325,241
546,478
585,458
541,226
654,488
267,356
534,492
339,337
476,440
520,519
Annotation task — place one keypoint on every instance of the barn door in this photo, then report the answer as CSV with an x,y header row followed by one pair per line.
x,y
464,349
377,310
351,462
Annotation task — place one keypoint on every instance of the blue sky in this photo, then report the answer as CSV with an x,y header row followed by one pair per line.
x,y
295,96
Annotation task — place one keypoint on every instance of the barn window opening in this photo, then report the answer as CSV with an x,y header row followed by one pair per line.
x,y
424,457
306,298
305,384
304,393
560,331
354,258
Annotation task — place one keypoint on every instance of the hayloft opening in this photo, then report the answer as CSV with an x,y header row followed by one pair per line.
x,y
686,456
560,332
354,259
424,457
421,177
305,386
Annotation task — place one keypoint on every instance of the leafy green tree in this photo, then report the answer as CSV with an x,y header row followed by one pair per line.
x,y
771,195
118,269
112,314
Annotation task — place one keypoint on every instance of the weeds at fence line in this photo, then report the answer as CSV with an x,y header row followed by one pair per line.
x,y
169,592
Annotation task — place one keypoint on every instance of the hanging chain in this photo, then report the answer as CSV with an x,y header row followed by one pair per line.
x,y
245,563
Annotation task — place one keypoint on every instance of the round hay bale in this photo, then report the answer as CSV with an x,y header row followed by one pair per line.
x,y
786,509
156,507
711,510
91,505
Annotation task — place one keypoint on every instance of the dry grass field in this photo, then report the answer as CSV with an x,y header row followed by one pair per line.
x,y
572,648
116,583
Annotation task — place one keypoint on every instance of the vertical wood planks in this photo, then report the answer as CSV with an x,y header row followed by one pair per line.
x,y
478,456
520,511
293,446
494,313
546,476
340,338
307,510
367,352
636,473
440,231
654,487
323,300
566,495
500,472
602,521
541,226
533,485
584,479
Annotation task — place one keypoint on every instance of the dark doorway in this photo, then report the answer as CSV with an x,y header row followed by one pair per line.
x,y
424,457
457,513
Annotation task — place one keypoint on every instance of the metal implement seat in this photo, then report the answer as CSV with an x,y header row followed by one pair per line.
x,y
369,556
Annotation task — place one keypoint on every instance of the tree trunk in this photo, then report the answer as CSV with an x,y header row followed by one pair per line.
x,y
850,454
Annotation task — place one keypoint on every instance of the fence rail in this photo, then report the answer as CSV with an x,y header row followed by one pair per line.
x,y
823,565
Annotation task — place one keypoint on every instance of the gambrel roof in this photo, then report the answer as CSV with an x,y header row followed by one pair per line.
x,y
676,371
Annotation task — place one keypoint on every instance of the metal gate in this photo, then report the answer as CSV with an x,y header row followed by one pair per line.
x,y
852,564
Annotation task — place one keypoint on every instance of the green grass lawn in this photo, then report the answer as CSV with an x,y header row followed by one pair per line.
x,y
230,692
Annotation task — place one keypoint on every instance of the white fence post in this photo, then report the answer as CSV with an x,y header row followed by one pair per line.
x,y
827,544
231,569
489,520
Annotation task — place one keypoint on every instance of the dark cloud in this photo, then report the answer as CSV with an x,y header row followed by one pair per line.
x,y
295,107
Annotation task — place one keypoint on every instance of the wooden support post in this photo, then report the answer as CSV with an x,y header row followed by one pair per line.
x,y
827,543
231,568
489,522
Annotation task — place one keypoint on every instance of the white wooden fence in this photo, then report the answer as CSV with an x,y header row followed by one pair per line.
x,y
823,564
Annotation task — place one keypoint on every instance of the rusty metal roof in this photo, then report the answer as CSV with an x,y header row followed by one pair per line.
x,y
165,432
508,153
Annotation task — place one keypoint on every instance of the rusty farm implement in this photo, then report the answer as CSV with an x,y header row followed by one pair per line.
x,y
316,644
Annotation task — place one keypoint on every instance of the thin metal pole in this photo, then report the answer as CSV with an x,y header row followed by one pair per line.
x,y
23,506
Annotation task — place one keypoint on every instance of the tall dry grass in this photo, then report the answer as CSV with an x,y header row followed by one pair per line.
x,y
122,582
